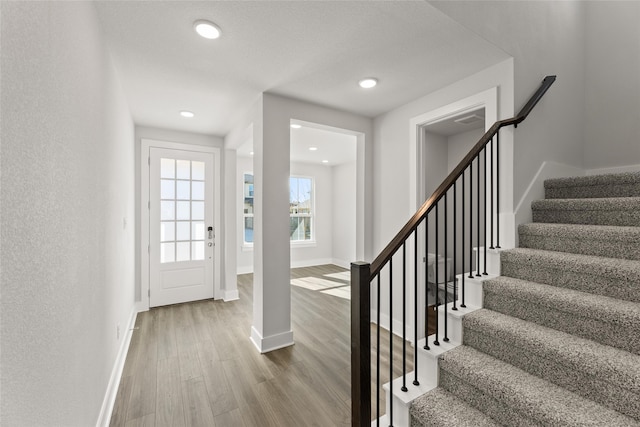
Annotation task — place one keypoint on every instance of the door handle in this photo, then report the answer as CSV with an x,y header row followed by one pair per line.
x,y
210,230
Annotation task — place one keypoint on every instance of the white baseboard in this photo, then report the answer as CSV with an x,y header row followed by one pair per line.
x,y
271,343
617,169
116,373
231,295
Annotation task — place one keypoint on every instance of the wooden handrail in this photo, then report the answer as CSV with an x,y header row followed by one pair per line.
x,y
426,207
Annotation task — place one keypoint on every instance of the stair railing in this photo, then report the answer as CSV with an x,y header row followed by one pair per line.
x,y
364,274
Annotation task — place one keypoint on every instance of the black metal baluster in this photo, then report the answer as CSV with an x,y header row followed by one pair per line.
x,y
415,307
426,282
404,316
484,246
478,218
446,268
463,274
471,220
391,341
492,191
436,342
377,356
498,189
455,243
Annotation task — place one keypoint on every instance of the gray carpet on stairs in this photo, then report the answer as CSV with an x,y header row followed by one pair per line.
x,y
558,342
618,211
608,185
598,372
443,409
598,240
612,277
514,397
607,320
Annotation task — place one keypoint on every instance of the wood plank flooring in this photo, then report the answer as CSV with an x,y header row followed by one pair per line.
x,y
193,364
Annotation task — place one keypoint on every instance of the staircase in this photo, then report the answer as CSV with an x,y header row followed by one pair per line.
x,y
558,340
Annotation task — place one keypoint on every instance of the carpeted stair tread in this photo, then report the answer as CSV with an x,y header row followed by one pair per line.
x,y
623,211
607,320
612,277
606,185
598,372
439,408
599,240
512,396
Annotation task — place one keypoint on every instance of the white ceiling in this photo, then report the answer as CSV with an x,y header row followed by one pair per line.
x,y
336,147
310,50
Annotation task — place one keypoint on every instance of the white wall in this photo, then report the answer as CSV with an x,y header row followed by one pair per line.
x,y
67,215
393,202
334,199
612,85
543,37
343,250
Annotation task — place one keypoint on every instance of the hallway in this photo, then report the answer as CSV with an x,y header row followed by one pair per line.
x,y
194,365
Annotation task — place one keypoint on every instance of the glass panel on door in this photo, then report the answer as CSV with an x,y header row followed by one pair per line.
x,y
182,210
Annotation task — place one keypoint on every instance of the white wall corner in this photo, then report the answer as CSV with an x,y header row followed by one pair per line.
x,y
271,343
104,418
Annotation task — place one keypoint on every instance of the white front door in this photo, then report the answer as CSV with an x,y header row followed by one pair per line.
x,y
181,232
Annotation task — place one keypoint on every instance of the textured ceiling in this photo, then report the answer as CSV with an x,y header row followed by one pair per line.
x,y
310,50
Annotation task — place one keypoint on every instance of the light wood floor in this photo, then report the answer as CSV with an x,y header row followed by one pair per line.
x,y
194,365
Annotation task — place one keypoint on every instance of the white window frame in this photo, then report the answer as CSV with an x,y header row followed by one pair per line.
x,y
311,215
248,246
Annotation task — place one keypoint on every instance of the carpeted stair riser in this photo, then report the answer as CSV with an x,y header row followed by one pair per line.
x,y
612,211
605,320
597,240
601,373
513,397
442,409
613,278
610,185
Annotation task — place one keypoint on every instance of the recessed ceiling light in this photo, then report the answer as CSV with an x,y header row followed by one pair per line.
x,y
251,153
187,114
368,83
207,29
325,161
313,148
295,126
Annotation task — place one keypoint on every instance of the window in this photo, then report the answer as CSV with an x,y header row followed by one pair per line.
x,y
248,208
300,209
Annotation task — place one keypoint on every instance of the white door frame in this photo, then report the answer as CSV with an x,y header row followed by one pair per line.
x,y
144,213
487,99
417,182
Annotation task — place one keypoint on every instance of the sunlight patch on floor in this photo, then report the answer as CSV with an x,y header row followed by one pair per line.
x,y
315,283
341,292
336,287
343,275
